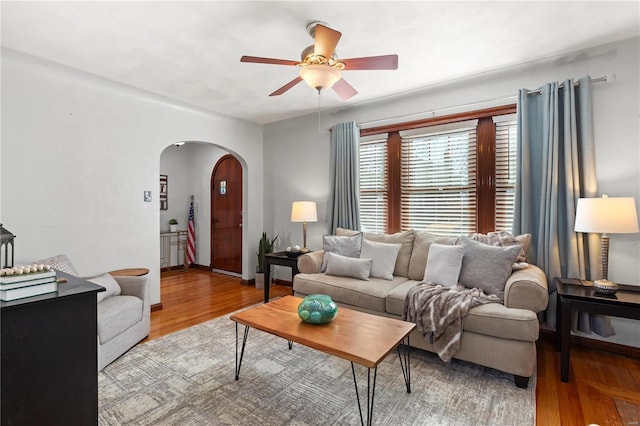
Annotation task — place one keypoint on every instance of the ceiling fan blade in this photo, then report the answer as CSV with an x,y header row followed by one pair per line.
x,y
287,86
385,62
259,60
344,89
326,41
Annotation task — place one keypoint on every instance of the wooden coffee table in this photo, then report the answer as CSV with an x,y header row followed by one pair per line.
x,y
358,337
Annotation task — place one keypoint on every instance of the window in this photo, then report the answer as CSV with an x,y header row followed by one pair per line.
x,y
451,175
438,186
373,184
506,136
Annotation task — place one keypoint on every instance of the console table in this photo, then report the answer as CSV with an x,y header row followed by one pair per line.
x,y
277,258
578,295
50,356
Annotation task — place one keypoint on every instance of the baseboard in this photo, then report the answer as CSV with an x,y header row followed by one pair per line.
x,y
156,307
282,282
252,282
599,345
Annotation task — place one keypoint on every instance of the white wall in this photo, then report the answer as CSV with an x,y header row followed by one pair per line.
x,y
297,154
77,153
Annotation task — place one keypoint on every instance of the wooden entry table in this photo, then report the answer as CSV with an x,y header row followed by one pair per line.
x,y
355,336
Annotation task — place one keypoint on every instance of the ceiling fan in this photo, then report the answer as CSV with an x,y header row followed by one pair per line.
x,y
320,67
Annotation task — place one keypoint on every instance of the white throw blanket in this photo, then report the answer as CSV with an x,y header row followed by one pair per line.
x,y
438,312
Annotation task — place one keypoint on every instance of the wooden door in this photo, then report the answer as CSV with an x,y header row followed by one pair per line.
x,y
226,215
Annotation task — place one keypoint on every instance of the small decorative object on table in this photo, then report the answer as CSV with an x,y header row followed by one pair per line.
x,y
317,309
605,287
295,251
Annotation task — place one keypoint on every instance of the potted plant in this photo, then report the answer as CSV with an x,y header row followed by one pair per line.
x,y
173,225
265,245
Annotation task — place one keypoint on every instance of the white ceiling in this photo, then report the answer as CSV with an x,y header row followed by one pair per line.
x,y
190,51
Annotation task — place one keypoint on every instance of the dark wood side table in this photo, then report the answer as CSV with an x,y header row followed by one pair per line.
x,y
578,295
50,356
281,259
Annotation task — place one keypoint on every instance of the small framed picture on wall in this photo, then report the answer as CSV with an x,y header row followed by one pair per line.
x,y
163,192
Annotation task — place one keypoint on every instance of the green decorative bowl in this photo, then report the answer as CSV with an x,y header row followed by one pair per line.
x,y
317,309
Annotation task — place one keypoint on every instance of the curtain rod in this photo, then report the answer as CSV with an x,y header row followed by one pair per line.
x,y
603,79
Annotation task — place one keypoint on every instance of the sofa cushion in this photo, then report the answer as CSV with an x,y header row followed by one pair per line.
x,y
349,246
384,258
395,298
60,262
344,266
117,314
487,267
418,261
109,283
444,264
370,294
404,255
491,319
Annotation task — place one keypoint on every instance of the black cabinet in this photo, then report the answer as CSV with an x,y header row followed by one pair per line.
x,y
48,351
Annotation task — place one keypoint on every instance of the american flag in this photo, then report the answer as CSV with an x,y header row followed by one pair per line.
x,y
191,238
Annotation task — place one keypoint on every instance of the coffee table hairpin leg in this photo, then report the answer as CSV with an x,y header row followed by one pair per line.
x,y
244,342
405,365
404,356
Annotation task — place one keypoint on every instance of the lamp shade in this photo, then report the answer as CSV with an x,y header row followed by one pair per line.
x,y
615,215
320,76
304,211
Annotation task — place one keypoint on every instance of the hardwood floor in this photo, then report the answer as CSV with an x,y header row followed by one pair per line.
x,y
597,378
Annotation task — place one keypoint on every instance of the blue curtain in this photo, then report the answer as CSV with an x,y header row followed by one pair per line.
x,y
345,189
556,166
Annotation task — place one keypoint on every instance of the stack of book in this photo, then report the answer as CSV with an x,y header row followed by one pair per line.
x,y
26,281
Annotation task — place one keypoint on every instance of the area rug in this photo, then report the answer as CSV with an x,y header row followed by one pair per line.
x,y
187,378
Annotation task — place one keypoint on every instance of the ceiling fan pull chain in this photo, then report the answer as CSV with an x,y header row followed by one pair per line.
x,y
319,110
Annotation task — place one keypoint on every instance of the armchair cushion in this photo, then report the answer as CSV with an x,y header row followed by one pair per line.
x,y
117,314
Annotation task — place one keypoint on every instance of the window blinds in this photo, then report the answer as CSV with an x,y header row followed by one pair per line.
x,y
506,134
373,184
438,187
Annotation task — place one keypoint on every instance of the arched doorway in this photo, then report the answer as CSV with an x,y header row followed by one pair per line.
x,y
226,215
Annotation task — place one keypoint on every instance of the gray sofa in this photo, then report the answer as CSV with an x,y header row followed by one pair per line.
x,y
496,335
124,311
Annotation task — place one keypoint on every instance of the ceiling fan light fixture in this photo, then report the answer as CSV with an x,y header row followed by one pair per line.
x,y
320,76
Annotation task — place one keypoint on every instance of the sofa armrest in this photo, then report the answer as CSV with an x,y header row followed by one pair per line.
x,y
527,289
135,286
311,263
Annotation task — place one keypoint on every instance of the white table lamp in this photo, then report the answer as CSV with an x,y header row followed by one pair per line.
x,y
615,215
304,211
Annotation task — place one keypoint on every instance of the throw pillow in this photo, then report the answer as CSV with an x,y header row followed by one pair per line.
x,y
444,264
344,246
60,263
348,266
384,258
420,253
109,283
487,267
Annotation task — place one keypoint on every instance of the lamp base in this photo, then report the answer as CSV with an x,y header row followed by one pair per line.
x,y
605,286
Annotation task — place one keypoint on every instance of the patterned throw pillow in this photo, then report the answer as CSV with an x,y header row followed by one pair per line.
x,y
60,262
109,283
